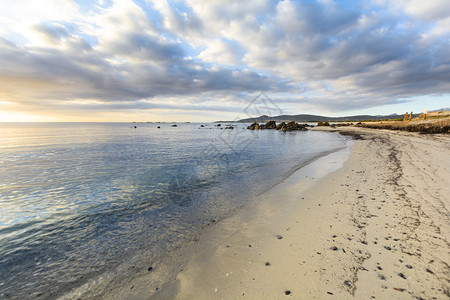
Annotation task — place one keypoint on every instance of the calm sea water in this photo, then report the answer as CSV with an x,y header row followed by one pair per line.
x,y
79,199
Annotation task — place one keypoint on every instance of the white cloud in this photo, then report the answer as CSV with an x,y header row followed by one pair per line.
x,y
221,52
428,10
18,17
121,51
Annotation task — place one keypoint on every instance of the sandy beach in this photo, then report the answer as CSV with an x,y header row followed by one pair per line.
x,y
376,227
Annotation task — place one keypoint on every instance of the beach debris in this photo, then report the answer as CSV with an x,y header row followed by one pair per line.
x,y
400,289
334,248
329,293
409,266
279,237
267,263
402,275
288,292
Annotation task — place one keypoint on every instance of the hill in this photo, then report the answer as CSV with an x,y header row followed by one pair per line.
x,y
317,118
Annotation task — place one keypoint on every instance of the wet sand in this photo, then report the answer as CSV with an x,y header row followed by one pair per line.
x,y
377,227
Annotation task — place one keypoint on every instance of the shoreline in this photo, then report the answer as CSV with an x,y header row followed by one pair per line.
x,y
377,227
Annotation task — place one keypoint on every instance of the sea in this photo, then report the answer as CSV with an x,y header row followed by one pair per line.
x,y
78,200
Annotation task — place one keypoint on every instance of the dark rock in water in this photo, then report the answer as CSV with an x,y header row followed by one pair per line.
x,y
323,124
294,126
135,127
270,125
254,126
280,126
218,125
158,127
279,237
202,125
267,263
174,125
150,269
291,126
229,127
334,248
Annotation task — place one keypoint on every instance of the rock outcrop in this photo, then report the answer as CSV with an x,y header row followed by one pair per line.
x,y
291,126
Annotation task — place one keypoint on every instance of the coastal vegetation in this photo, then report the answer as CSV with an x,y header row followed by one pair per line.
x,y
434,122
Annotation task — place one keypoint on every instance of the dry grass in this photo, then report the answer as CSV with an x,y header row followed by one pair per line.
x,y
438,122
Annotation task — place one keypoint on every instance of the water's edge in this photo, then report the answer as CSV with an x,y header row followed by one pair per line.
x,y
162,281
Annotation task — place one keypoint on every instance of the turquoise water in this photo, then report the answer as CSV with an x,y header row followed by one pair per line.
x,y
79,199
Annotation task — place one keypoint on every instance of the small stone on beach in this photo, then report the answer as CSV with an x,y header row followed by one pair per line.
x,y
267,263
150,269
279,237
381,277
334,248
287,292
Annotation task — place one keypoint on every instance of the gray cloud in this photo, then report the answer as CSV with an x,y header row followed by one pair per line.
x,y
320,52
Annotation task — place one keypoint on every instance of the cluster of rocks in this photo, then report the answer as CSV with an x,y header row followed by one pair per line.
x,y
291,126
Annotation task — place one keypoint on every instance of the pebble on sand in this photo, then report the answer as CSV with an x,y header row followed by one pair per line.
x,y
279,237
334,248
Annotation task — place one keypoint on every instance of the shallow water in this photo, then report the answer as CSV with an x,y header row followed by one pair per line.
x,y
79,199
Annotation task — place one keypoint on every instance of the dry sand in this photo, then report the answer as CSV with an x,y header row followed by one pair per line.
x,y
376,228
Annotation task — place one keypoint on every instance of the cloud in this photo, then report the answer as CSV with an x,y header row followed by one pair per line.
x,y
126,54
132,63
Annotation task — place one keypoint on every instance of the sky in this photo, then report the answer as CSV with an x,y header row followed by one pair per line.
x,y
200,60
